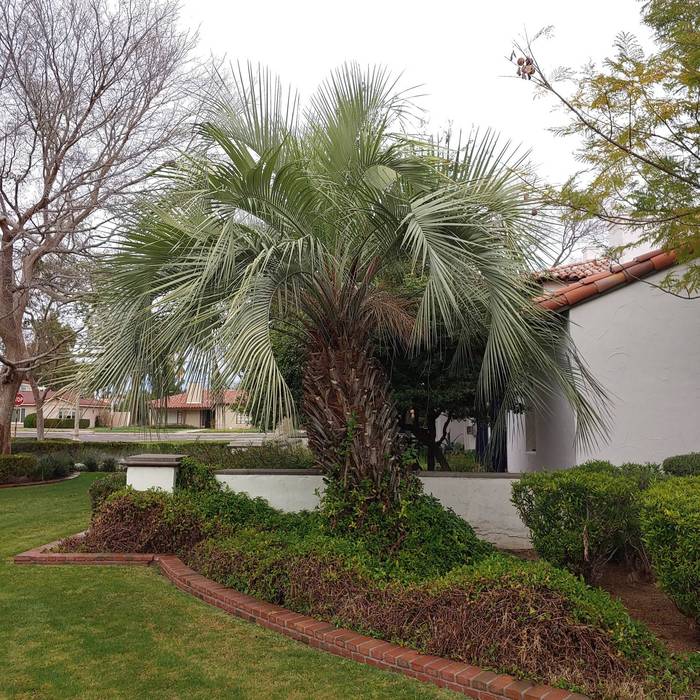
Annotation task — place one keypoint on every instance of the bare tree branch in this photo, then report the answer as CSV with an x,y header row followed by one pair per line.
x,y
95,95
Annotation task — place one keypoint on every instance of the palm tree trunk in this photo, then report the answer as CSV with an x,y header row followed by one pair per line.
x,y
351,421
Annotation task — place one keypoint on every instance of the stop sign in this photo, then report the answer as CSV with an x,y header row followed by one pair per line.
x,y
19,399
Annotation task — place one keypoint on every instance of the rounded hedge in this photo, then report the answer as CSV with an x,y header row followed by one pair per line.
x,y
670,523
30,422
579,518
18,467
683,465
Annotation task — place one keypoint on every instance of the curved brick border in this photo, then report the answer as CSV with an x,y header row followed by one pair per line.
x,y
463,678
74,475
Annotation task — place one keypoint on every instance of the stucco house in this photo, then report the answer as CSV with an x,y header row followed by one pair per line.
x,y
642,344
61,406
199,408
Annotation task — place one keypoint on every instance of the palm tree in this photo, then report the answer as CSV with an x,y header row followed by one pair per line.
x,y
315,219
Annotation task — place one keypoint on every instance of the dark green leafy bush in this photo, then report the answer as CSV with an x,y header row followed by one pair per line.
x,y
683,465
419,540
585,640
196,476
89,460
55,466
580,518
109,464
670,522
18,467
100,489
138,521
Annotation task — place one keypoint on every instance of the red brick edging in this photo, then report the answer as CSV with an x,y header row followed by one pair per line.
x,y
460,677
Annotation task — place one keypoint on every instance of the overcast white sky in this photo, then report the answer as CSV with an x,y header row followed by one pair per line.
x,y
454,50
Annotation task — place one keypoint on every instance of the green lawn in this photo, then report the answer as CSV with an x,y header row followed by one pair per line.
x,y
120,632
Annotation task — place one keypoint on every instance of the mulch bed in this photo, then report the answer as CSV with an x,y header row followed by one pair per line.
x,y
645,602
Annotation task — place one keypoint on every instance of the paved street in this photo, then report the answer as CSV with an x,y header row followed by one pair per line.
x,y
181,435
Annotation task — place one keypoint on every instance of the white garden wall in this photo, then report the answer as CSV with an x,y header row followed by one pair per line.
x,y
483,500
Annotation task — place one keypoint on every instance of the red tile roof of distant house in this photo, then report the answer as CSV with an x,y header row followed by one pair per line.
x,y
613,277
573,272
28,397
207,400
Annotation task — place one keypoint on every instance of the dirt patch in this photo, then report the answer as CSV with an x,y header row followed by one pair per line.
x,y
645,602
648,603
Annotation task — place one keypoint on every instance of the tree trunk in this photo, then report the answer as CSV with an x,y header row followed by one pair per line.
x,y
10,381
433,447
482,440
39,403
351,421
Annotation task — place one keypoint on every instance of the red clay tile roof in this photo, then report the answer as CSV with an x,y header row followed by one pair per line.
x,y
179,401
573,272
68,398
613,277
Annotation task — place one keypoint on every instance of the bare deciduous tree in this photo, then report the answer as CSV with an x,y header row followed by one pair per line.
x,y
94,97
575,235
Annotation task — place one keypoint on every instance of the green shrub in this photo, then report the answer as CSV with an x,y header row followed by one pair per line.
x,y
109,464
56,465
596,466
30,422
585,640
103,487
579,518
196,476
670,523
269,455
90,460
420,540
18,467
683,465
644,475
138,521
34,446
465,461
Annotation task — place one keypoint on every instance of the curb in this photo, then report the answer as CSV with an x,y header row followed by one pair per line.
x,y
468,680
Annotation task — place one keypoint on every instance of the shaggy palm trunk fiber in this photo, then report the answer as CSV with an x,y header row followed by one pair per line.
x,y
351,421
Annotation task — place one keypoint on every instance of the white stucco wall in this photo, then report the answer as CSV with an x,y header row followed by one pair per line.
x,y
643,345
457,431
288,492
482,500
555,437
142,478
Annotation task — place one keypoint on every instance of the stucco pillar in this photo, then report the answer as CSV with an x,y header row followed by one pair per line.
x,y
152,471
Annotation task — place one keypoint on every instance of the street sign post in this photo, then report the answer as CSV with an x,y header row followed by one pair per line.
x,y
19,400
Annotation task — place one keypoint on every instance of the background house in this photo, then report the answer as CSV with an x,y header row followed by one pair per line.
x,y
643,345
200,408
61,406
